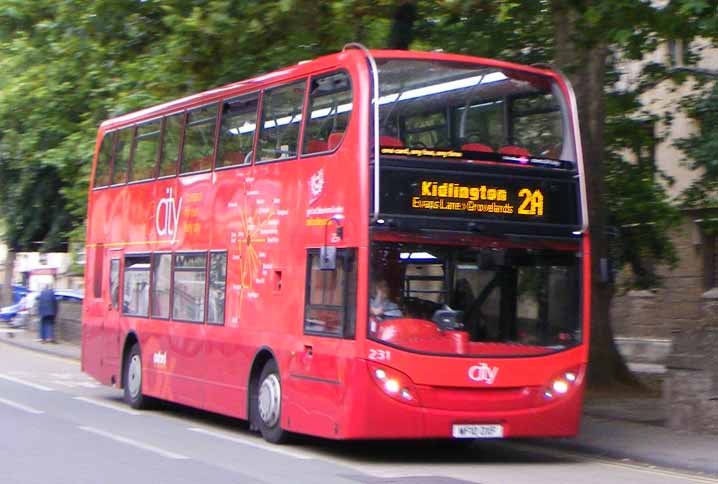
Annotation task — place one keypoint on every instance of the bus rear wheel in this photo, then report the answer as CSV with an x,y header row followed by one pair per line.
x,y
268,409
132,383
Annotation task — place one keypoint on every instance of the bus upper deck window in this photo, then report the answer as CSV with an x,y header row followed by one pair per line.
x,y
147,144
237,128
330,107
198,145
281,117
103,170
122,155
171,144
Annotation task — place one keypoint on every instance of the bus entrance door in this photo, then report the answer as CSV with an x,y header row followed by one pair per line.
x,y
110,361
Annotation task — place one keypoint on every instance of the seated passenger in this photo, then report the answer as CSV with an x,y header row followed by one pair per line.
x,y
380,306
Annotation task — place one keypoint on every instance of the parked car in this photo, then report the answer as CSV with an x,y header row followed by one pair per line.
x,y
26,305
18,292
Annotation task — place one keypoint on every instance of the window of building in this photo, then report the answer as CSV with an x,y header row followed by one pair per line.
x,y
198,144
281,118
171,139
217,287
115,283
188,294
147,147
103,171
136,290
330,300
236,136
123,149
161,285
330,106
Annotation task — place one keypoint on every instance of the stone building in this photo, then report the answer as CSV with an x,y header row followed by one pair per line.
x,y
646,321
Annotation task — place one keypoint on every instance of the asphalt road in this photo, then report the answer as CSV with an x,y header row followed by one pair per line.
x,y
57,425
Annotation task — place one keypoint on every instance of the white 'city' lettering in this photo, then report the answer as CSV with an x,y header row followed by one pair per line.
x,y
483,373
167,216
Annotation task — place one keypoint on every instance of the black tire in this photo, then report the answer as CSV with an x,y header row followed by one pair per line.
x,y
132,380
268,405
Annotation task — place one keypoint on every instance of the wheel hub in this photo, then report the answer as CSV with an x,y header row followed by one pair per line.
x,y
270,398
134,376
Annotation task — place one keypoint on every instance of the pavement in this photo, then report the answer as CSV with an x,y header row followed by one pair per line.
x,y
627,428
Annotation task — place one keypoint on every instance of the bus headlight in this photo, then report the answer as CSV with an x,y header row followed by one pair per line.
x,y
394,383
562,384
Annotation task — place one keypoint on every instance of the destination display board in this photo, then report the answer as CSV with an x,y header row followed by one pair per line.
x,y
490,196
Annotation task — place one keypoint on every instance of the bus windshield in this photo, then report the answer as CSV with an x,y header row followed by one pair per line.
x,y
448,299
471,108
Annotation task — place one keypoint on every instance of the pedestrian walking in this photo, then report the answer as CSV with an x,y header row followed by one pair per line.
x,y
47,310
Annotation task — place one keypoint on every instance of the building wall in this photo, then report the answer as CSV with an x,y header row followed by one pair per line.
x,y
659,314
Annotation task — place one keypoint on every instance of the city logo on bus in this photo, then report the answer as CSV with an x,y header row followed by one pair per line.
x,y
483,373
167,214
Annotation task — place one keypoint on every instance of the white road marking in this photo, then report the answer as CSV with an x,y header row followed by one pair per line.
x,y
251,443
20,406
111,406
26,383
134,443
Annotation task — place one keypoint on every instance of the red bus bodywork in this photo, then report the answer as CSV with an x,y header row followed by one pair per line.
x,y
266,212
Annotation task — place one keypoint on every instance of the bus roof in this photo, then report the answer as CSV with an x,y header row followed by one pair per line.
x,y
301,69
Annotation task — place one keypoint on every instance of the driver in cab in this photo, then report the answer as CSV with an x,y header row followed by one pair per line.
x,y
380,306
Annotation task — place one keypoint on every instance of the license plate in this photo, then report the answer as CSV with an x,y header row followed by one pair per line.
x,y
477,431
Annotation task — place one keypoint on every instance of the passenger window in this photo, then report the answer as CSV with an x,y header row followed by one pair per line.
x,y
147,146
171,144
103,169
217,286
189,287
537,125
115,283
281,118
161,283
198,145
236,136
136,291
427,130
330,107
481,123
331,296
122,155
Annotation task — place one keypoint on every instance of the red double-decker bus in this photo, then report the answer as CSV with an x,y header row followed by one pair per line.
x,y
372,244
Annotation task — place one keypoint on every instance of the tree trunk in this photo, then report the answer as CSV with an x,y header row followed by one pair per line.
x,y
585,65
402,27
6,296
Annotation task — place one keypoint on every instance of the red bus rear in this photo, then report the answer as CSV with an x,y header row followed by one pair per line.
x,y
378,244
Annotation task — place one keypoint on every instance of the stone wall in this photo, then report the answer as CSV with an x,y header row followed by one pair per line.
x,y
690,389
673,306
69,321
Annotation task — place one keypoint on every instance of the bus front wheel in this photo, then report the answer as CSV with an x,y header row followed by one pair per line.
x,y
269,404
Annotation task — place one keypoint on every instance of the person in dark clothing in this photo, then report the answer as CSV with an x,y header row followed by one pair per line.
x,y
47,310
